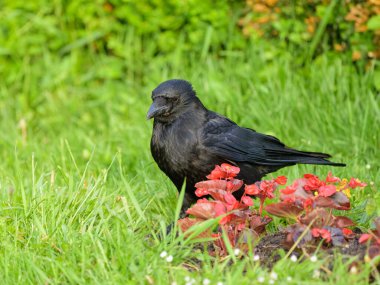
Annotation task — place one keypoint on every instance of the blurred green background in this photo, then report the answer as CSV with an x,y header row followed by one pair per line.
x,y
70,64
79,189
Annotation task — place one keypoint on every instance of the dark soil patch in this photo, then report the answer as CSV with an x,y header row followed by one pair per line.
x,y
269,246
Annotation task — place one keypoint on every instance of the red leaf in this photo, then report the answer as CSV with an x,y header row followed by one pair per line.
x,y
343,222
288,190
327,190
354,182
332,179
252,189
202,210
212,184
299,193
258,223
284,209
225,220
312,182
323,233
186,223
309,175
234,185
364,238
281,180
319,216
308,204
225,171
201,192
231,171
337,201
240,226
236,206
347,232
247,200
229,198
218,195
220,209
315,232
267,188
217,173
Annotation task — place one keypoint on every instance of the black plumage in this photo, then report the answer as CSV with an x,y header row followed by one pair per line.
x,y
188,141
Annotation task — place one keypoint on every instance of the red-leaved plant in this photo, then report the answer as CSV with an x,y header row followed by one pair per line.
x,y
373,238
310,201
240,223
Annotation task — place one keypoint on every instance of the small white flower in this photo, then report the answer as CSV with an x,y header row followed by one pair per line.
x,y
236,251
293,258
187,278
313,258
174,283
353,270
206,281
219,283
289,278
169,258
261,279
316,274
273,275
163,254
368,166
256,257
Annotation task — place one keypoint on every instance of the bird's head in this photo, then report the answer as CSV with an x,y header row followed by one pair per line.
x,y
170,99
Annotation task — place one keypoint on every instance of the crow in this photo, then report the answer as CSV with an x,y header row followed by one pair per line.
x,y
188,140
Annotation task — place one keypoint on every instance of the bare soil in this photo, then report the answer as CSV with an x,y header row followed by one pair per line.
x,y
269,246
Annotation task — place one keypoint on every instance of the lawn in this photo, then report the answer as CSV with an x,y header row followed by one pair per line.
x,y
82,201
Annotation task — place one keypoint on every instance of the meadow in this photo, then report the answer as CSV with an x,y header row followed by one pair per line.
x,y
82,201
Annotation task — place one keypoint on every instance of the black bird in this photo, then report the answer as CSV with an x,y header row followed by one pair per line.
x,y
188,141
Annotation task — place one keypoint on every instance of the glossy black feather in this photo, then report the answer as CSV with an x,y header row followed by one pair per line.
x,y
188,141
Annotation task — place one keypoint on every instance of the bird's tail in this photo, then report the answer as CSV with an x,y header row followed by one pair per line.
x,y
289,155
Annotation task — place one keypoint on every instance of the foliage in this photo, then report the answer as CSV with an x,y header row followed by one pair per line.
x,y
308,200
236,220
161,21
123,31
340,26
373,238
195,25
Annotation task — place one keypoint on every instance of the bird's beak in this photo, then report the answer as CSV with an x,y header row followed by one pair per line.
x,y
158,107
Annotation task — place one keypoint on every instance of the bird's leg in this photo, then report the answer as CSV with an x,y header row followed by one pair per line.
x,y
188,200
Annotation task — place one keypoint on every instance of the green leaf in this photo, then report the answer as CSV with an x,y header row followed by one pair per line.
x,y
374,23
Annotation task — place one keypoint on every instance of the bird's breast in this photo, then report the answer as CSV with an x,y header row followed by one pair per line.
x,y
173,148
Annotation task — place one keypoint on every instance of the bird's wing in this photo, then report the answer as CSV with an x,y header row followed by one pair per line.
x,y
231,142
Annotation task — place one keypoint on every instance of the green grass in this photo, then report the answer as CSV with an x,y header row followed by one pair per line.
x,y
82,201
